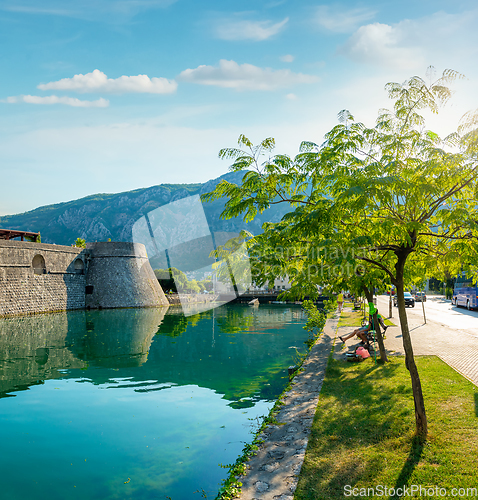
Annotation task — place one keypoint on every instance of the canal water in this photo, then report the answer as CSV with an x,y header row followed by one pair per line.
x,y
137,403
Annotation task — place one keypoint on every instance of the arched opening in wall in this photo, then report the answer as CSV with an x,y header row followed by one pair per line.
x,y
38,264
79,266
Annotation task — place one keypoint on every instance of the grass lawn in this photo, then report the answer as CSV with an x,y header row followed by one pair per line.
x,y
354,318
363,432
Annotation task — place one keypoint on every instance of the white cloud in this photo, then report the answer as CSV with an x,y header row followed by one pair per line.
x,y
291,97
97,81
340,20
248,30
53,99
288,58
230,74
383,45
440,39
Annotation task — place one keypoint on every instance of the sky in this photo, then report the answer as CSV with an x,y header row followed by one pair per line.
x,y
104,96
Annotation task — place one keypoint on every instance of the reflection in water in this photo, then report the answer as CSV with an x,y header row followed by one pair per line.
x,y
34,348
91,399
116,337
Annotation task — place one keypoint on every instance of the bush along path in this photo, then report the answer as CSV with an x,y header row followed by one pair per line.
x,y
273,470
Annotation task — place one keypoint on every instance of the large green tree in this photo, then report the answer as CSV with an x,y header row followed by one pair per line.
x,y
395,197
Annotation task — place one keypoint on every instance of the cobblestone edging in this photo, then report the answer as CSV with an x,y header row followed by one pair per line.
x,y
273,472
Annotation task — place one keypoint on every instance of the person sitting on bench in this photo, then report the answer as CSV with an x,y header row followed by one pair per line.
x,y
361,334
381,322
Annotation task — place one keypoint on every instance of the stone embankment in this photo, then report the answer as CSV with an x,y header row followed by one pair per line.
x,y
193,298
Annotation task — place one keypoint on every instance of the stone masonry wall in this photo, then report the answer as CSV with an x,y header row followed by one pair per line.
x,y
57,284
36,277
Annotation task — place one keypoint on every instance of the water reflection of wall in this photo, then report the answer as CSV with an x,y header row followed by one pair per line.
x,y
32,349
37,348
232,350
116,337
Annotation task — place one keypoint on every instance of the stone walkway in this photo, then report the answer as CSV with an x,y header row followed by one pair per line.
x,y
273,473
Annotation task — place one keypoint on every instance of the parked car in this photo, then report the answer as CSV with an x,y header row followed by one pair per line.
x,y
420,297
409,300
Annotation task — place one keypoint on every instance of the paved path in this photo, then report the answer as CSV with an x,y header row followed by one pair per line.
x,y
273,473
457,347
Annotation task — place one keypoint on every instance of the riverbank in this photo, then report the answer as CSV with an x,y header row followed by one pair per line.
x,y
272,473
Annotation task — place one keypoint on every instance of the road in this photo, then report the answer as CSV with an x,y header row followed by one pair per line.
x,y
438,310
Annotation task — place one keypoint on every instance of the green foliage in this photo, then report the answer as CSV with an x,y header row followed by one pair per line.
x,y
34,239
183,285
80,243
207,285
315,320
162,274
364,199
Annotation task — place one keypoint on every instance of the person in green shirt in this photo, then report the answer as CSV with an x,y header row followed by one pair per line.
x,y
372,310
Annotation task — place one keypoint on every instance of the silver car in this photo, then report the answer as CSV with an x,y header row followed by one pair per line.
x,y
420,297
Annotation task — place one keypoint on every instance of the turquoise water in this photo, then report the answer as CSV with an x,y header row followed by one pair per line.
x,y
136,403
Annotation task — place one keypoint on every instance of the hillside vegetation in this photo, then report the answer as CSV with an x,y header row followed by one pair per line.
x,y
100,217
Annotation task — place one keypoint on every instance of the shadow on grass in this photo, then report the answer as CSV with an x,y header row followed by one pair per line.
x,y
476,404
368,416
409,466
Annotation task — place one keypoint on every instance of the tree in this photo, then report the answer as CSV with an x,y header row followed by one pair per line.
x,y
80,243
395,197
162,274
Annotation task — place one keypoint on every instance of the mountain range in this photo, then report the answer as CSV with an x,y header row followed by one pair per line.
x,y
100,217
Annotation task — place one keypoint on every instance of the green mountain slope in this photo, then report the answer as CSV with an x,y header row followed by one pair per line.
x,y
102,216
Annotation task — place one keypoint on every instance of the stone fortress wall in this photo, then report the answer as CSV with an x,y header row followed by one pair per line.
x,y
38,277
120,275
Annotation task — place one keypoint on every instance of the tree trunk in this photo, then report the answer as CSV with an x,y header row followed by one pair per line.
x,y
420,414
381,345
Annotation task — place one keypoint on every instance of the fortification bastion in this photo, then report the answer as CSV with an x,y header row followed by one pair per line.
x,y
120,275
39,277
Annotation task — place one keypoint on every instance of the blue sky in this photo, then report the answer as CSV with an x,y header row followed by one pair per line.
x,y
103,96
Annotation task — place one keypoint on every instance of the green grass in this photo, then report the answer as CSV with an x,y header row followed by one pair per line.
x,y
363,431
354,318
350,318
